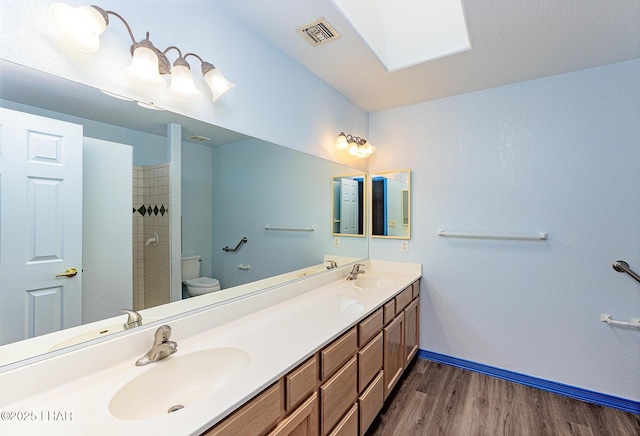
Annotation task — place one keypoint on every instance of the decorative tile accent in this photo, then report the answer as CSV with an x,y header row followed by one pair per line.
x,y
148,210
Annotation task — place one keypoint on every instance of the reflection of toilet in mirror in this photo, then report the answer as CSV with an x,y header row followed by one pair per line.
x,y
196,285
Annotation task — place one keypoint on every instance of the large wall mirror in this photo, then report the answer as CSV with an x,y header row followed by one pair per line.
x,y
391,205
231,187
349,205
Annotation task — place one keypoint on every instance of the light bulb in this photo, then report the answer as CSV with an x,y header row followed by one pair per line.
x,y
81,27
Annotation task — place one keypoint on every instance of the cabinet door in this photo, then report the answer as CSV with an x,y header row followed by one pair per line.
x,y
411,330
302,422
393,353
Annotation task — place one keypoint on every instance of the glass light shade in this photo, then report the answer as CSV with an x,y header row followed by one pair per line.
x,y
143,70
81,27
182,86
341,142
218,84
366,150
353,148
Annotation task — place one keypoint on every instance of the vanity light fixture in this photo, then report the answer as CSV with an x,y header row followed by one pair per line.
x,y
354,145
81,27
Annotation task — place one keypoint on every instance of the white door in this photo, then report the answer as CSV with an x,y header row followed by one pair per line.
x,y
107,190
349,207
40,225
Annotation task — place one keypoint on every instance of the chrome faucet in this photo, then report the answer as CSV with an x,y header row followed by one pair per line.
x,y
332,264
162,347
355,271
134,319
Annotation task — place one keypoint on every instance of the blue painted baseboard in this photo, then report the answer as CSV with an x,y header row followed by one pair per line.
x,y
551,386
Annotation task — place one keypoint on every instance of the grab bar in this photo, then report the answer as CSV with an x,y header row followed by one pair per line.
x,y
242,241
622,266
609,320
509,236
290,228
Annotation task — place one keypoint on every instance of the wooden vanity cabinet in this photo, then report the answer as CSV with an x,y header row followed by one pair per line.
x,y
340,389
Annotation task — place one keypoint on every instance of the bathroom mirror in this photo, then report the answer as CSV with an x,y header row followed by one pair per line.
x,y
348,205
391,205
232,187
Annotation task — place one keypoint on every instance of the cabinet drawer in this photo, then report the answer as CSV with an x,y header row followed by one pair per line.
x,y
348,426
370,327
302,422
370,402
300,382
369,362
416,288
337,353
389,311
403,299
256,417
337,395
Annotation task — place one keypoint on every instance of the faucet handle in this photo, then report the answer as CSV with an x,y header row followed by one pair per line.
x,y
134,319
163,334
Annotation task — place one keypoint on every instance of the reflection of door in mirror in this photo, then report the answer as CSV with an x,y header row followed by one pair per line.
x,y
348,205
41,167
390,205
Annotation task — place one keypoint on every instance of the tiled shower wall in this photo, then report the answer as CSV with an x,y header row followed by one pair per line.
x,y
151,263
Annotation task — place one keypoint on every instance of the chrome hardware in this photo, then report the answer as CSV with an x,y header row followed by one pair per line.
x,y
332,264
134,319
70,272
622,266
162,347
353,275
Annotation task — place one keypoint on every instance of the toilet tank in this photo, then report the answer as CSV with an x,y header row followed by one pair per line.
x,y
190,267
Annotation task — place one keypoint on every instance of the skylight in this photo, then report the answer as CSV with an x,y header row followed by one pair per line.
x,y
404,33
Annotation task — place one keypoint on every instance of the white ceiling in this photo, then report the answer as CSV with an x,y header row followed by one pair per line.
x,y
512,41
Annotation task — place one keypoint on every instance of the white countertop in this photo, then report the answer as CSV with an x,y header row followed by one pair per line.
x,y
70,394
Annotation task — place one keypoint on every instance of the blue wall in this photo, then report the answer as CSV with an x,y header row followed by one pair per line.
x,y
558,155
257,183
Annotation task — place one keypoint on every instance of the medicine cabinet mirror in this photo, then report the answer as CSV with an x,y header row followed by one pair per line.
x,y
391,205
348,205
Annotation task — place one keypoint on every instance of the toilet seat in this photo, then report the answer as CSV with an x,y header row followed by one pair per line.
x,y
203,282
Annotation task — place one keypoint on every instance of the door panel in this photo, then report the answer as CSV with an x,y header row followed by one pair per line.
x,y
40,225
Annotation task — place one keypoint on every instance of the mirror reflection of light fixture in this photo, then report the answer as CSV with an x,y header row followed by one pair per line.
x,y
81,27
354,145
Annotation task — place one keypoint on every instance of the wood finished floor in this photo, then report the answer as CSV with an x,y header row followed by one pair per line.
x,y
437,399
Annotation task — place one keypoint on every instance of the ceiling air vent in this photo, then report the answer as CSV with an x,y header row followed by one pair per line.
x,y
318,32
198,138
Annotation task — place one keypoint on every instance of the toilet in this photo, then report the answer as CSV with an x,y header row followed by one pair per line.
x,y
196,285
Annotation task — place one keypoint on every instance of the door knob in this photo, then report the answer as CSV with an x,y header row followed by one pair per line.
x,y
70,272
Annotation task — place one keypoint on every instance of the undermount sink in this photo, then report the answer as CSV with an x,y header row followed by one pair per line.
x,y
370,282
176,382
